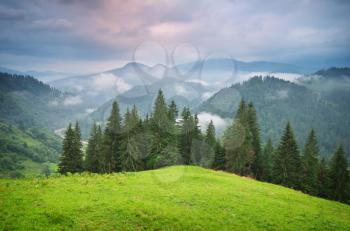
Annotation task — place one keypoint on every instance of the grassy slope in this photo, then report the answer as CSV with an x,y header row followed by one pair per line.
x,y
26,150
173,198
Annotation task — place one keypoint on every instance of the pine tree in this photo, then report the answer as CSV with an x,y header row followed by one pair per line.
x,y
238,143
310,165
111,141
267,158
94,150
163,131
339,176
256,145
78,150
323,180
186,135
219,159
66,159
131,155
287,166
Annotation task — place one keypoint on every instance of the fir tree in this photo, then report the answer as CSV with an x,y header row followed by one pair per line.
x,y
112,141
219,159
339,176
310,165
267,158
256,146
94,150
163,131
78,150
287,166
186,135
67,158
239,151
323,180
131,156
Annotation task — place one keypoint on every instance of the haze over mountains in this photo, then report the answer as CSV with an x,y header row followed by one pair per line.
x,y
212,89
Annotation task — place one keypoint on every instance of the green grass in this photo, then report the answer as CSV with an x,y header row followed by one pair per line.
x,y
174,198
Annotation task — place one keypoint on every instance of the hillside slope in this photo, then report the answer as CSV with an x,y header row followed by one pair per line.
x,y
174,198
277,101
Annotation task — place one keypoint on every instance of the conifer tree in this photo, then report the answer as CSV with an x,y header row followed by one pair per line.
x,y
287,166
323,180
219,159
78,150
310,165
111,141
256,145
66,160
339,176
186,135
239,151
131,156
163,131
94,150
267,158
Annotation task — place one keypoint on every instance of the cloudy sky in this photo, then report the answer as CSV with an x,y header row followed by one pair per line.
x,y
82,36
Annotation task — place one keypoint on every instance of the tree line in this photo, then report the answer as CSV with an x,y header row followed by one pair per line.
x,y
165,138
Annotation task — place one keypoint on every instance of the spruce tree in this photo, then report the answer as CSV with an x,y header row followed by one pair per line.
x,y
267,158
78,150
163,131
66,160
339,176
256,145
287,166
323,179
310,165
238,143
94,149
186,135
111,141
219,159
131,156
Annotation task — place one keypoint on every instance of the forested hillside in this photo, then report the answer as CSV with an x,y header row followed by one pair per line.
x,y
277,101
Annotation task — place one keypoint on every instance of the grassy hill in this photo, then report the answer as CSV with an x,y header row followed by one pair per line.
x,y
174,198
26,152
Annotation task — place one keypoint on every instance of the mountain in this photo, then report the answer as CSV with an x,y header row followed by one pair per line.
x,y
277,101
44,76
30,111
97,88
25,100
26,151
173,198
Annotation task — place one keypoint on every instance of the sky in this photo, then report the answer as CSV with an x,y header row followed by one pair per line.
x,y
83,36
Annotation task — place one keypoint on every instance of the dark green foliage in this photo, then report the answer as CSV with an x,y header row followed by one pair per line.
x,y
131,148
111,142
238,141
219,159
323,180
94,150
324,107
256,146
310,165
267,157
78,150
67,158
287,166
186,135
160,126
72,157
339,176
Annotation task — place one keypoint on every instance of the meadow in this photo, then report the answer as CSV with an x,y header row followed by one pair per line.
x,y
172,198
